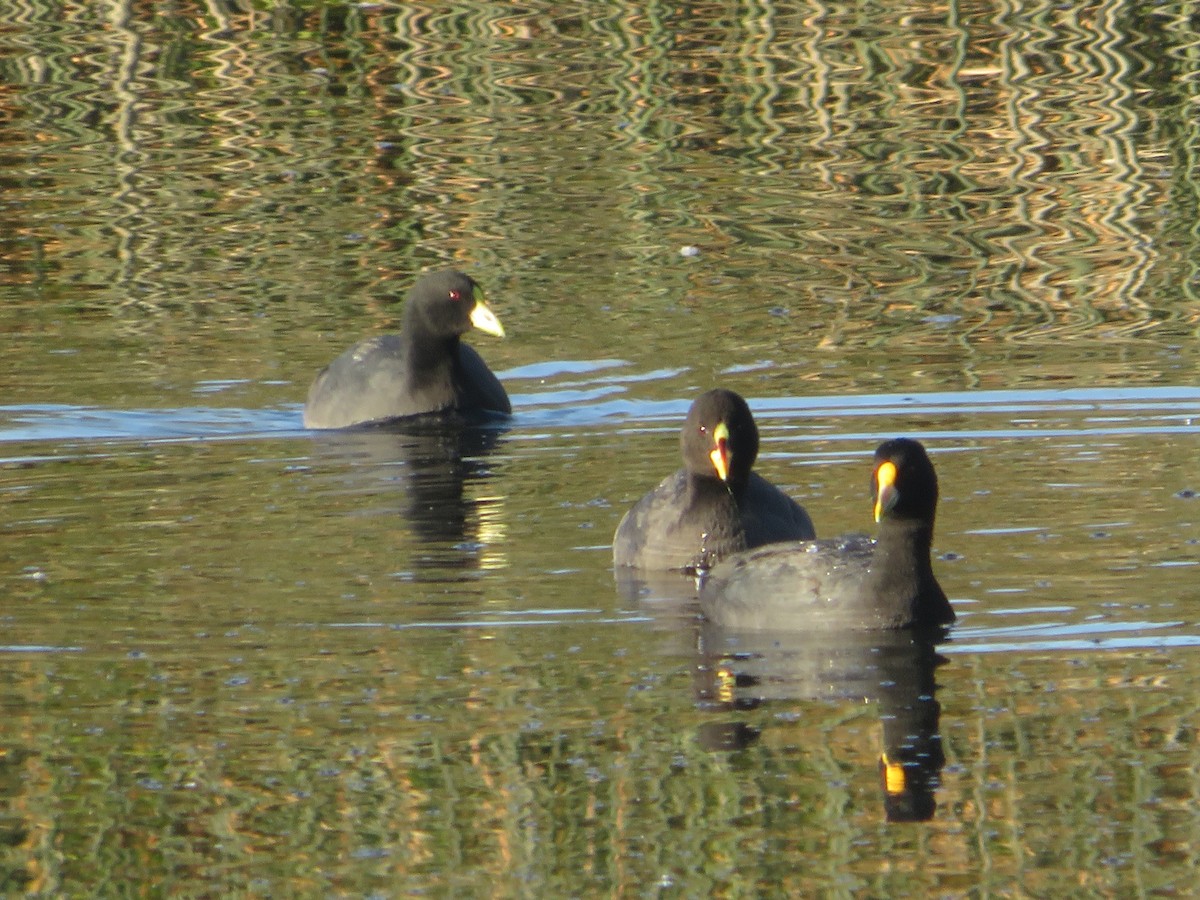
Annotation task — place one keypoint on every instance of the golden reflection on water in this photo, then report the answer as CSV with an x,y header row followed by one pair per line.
x,y
493,532
1013,167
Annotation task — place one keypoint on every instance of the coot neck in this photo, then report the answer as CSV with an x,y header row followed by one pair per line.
x,y
426,353
710,488
902,549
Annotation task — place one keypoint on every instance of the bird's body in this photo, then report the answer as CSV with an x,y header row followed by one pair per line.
x,y
851,582
425,369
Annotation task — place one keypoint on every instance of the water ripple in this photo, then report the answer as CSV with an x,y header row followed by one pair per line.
x,y
597,402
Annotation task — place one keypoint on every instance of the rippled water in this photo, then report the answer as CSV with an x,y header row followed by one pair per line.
x,y
240,657
382,649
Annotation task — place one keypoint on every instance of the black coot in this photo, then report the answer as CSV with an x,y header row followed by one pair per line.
x,y
850,582
424,369
715,505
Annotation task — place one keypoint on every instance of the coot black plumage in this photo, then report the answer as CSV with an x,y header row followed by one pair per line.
x,y
423,369
713,506
850,582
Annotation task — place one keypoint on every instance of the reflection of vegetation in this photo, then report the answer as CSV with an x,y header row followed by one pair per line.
x,y
1004,168
867,165
214,732
348,772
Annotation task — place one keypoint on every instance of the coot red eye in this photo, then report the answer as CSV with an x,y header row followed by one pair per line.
x,y
455,296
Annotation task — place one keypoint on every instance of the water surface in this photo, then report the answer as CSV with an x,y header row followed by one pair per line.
x,y
244,658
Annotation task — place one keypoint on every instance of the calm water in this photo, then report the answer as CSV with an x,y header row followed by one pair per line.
x,y
242,658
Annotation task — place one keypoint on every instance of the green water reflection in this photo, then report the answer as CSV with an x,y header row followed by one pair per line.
x,y
547,760
266,666
1026,172
377,666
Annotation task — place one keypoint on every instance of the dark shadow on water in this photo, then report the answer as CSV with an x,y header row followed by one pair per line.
x,y
430,473
669,601
670,596
739,671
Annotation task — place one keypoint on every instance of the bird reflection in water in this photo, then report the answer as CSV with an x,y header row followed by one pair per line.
x,y
433,472
895,669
